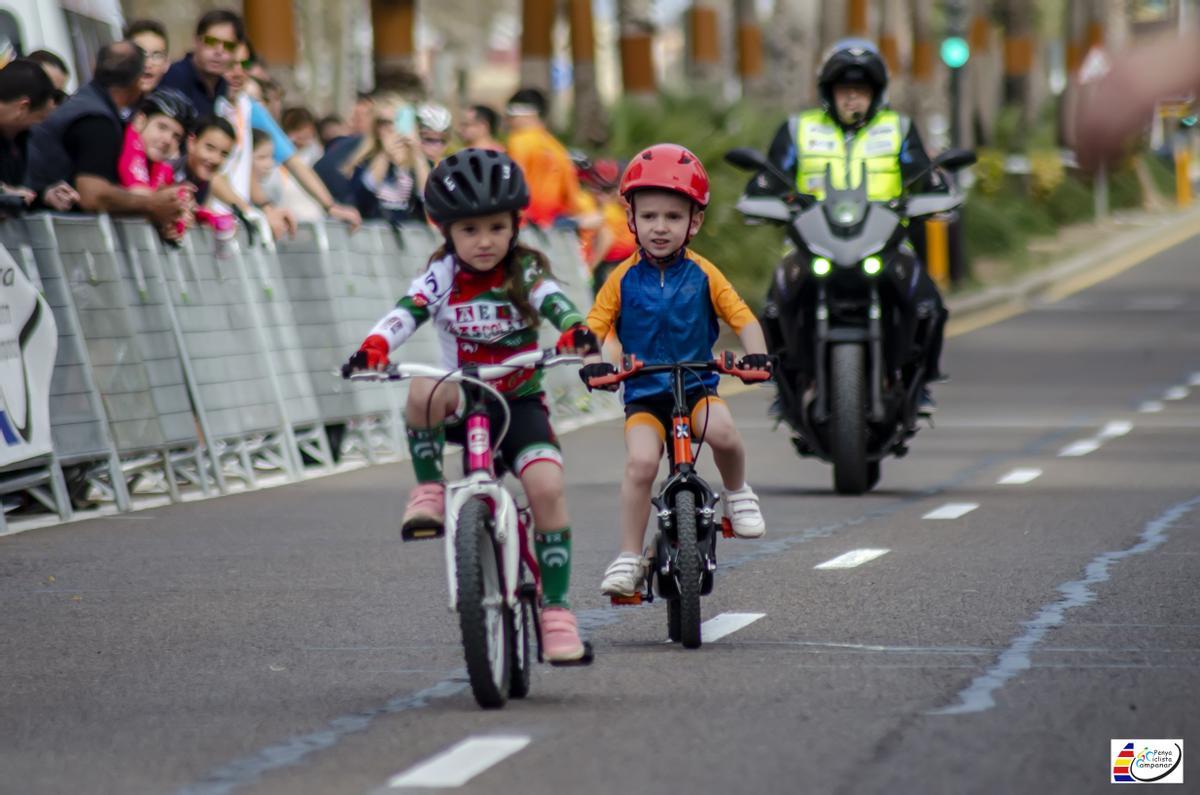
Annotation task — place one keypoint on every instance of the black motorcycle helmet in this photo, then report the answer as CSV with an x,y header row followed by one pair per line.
x,y
853,61
474,182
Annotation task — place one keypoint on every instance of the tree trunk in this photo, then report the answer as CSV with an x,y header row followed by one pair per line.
x,y
925,98
392,26
704,46
1019,52
537,28
793,52
749,47
984,76
637,53
589,117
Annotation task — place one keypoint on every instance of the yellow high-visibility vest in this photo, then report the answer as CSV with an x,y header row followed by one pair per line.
x,y
821,143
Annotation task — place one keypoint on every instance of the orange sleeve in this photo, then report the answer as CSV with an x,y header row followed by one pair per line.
x,y
607,307
725,300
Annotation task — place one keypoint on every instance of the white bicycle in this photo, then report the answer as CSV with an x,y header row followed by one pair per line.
x,y
493,575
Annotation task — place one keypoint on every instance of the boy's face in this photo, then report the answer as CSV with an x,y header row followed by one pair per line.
x,y
662,221
207,153
264,160
161,136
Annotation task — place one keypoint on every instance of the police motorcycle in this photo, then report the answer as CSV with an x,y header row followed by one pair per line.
x,y
849,374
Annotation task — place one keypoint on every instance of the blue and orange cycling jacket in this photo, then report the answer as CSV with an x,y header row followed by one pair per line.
x,y
666,315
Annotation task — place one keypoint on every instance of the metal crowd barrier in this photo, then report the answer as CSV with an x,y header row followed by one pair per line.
x,y
198,366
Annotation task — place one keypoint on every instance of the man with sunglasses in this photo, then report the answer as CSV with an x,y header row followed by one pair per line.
x,y
200,75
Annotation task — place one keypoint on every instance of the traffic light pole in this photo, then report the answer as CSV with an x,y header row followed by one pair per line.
x,y
956,107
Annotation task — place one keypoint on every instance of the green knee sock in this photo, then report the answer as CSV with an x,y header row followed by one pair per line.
x,y
425,445
554,556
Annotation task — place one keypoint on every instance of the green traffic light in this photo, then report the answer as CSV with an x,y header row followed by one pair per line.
x,y
1188,121
955,52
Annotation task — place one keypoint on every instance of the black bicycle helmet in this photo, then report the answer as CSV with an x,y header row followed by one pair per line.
x,y
171,103
474,182
853,61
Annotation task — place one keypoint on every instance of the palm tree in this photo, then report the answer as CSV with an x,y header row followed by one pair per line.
x,y
637,54
589,116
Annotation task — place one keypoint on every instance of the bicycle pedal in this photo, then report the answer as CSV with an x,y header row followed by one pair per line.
x,y
420,533
586,659
636,599
727,528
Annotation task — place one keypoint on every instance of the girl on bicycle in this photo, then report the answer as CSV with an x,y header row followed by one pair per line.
x,y
487,294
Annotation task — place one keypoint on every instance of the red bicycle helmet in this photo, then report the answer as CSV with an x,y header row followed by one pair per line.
x,y
603,174
667,167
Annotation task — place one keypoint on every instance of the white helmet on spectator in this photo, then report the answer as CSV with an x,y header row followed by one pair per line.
x,y
432,116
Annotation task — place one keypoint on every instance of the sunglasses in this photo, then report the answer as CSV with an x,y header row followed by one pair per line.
x,y
213,41
427,140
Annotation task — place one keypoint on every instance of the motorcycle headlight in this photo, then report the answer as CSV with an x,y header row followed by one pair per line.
x,y
872,265
821,266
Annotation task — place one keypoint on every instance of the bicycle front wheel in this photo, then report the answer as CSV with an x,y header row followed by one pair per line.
x,y
690,568
482,615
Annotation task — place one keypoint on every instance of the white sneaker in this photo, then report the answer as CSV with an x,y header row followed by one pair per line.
x,y
741,509
624,576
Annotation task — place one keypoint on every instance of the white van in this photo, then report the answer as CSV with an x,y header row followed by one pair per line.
x,y
72,29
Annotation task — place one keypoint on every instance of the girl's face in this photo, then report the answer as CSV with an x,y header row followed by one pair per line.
x,y
482,242
161,135
264,160
663,221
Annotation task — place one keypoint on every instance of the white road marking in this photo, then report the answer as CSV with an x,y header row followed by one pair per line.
x,y
952,510
851,559
1076,449
718,627
1019,477
1150,407
1116,428
459,763
1194,380
1176,393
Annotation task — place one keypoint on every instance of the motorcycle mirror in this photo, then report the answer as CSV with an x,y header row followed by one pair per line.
x,y
753,160
954,159
746,158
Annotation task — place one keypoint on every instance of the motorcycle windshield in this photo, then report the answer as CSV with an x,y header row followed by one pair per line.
x,y
825,240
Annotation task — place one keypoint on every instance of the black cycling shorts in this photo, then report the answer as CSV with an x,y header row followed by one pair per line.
x,y
530,437
656,411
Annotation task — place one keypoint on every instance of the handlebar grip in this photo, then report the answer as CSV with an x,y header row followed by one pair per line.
x,y
606,380
750,375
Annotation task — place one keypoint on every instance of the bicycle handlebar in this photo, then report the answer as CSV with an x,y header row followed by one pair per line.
x,y
529,360
631,366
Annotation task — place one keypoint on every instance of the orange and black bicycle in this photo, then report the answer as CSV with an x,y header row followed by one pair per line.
x,y
684,556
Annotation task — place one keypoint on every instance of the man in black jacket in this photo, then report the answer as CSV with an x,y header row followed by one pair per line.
x,y
81,143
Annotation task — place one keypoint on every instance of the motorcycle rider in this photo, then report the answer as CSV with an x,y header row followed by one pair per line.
x,y
852,133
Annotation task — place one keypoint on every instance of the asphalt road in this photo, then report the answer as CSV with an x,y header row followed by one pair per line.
x,y
284,641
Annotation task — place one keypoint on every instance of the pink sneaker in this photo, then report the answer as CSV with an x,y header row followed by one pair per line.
x,y
560,636
425,514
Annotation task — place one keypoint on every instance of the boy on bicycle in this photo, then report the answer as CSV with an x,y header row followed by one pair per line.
x,y
487,294
664,302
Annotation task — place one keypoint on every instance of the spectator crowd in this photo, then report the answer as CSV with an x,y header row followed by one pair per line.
x,y
208,140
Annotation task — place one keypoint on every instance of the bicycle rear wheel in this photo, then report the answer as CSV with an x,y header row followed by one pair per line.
x,y
521,643
485,620
690,568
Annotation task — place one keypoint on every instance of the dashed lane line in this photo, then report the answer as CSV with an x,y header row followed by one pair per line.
x,y
1176,393
1019,477
460,763
851,559
952,510
724,624
1150,407
1112,430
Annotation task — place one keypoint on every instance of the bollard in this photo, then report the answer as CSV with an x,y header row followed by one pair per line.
x,y
937,250
1183,179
